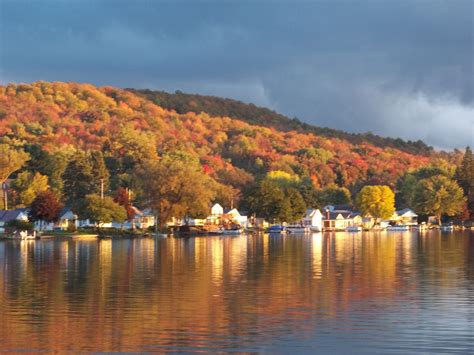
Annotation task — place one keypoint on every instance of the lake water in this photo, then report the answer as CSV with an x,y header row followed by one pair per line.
x,y
340,293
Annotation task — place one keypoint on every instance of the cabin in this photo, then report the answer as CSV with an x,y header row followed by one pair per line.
x,y
11,215
217,210
313,219
67,219
259,223
215,217
236,217
143,219
339,220
405,217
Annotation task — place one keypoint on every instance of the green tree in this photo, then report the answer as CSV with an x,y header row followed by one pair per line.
x,y
99,172
266,199
465,177
308,192
465,172
377,201
103,210
439,195
28,185
176,186
297,206
46,207
406,190
78,181
333,195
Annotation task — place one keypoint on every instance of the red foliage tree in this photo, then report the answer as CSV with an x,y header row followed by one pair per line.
x,y
123,199
45,207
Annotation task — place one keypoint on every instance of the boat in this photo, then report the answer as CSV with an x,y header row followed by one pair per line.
x,y
354,229
276,229
400,228
315,229
297,229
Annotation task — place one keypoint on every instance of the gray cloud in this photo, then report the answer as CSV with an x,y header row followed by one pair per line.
x,y
401,68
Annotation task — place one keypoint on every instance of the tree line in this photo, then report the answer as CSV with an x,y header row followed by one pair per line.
x,y
175,184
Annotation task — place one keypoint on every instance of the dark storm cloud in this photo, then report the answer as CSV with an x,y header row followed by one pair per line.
x,y
399,68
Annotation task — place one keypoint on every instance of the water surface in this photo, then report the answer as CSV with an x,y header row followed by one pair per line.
x,y
339,293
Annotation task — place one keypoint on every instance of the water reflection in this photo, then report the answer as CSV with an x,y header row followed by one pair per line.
x,y
397,292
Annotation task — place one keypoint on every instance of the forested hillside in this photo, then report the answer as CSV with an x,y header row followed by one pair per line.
x,y
57,122
217,106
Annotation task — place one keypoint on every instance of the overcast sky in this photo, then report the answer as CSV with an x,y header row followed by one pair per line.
x,y
393,67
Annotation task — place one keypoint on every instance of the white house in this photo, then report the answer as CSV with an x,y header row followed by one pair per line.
x,y
67,219
314,220
236,217
406,217
10,215
340,220
217,210
142,220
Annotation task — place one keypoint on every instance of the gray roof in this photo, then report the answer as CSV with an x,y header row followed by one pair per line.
x,y
405,210
11,215
344,214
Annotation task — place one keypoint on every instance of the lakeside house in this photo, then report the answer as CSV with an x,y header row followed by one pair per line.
x,y
340,220
67,219
405,217
313,219
339,217
142,220
218,216
19,214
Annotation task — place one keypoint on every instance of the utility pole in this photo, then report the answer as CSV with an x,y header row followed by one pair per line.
x,y
102,188
5,195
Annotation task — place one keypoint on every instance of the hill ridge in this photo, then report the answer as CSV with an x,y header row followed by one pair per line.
x,y
219,106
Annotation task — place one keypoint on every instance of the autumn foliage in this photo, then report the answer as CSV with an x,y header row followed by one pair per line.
x,y
129,129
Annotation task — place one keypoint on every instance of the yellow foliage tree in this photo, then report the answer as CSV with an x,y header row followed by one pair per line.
x,y
377,201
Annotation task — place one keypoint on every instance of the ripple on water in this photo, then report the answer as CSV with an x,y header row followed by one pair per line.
x,y
339,293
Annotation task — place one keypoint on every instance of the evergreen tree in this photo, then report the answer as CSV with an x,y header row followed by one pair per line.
x,y
297,205
79,181
465,173
99,171
465,178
